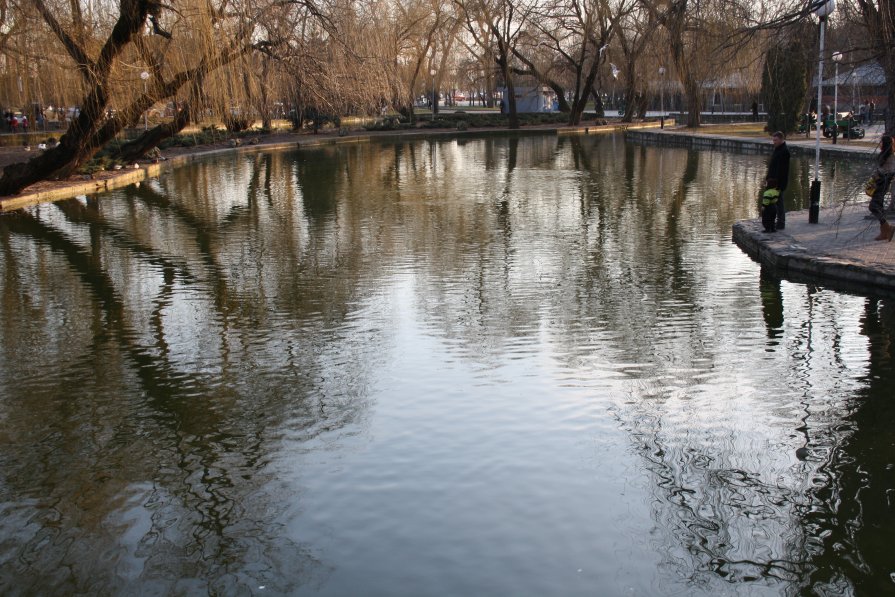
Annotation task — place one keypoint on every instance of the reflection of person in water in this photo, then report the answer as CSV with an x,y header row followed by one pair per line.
x,y
771,303
851,518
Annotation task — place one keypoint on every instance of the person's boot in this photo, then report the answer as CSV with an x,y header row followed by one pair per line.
x,y
883,231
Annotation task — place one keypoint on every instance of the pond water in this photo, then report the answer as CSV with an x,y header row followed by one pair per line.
x,y
489,366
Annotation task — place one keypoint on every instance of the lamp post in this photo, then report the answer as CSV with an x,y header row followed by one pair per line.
x,y
822,10
145,76
662,96
837,58
434,100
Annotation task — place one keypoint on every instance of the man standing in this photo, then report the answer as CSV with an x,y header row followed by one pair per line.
x,y
778,170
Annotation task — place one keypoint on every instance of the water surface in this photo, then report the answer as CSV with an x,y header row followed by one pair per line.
x,y
520,366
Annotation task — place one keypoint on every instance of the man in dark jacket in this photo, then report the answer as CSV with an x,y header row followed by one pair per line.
x,y
778,169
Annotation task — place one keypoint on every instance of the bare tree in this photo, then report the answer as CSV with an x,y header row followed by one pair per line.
x,y
636,30
579,33
879,20
499,22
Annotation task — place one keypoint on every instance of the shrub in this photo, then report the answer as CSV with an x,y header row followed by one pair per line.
x,y
237,124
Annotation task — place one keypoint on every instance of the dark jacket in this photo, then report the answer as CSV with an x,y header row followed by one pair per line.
x,y
778,167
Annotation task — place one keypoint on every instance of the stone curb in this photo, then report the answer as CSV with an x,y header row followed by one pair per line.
x,y
744,144
789,259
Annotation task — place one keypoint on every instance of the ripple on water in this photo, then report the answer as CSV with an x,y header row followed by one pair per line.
x,y
347,367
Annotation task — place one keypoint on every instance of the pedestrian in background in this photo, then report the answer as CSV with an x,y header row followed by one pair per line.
x,y
778,170
885,171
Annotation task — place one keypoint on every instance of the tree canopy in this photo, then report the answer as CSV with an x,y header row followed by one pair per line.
x,y
106,64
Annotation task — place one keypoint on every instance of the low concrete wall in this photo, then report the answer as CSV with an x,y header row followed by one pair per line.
x,y
742,145
794,262
719,118
746,145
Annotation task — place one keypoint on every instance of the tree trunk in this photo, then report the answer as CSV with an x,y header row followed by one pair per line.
x,y
84,138
694,104
93,127
504,61
642,100
890,109
137,148
598,104
630,101
533,70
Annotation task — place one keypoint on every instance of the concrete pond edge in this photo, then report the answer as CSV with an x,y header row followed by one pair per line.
x,y
788,259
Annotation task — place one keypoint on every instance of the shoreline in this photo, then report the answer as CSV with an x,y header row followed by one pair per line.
x,y
838,252
100,182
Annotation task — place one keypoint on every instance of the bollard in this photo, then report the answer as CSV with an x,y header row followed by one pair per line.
x,y
814,207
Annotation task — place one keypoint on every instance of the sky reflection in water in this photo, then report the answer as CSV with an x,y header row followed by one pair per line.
x,y
479,366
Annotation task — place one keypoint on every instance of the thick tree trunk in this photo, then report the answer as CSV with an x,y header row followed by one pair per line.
x,y
694,104
533,70
580,102
630,103
510,98
511,103
93,128
60,160
137,148
890,96
563,103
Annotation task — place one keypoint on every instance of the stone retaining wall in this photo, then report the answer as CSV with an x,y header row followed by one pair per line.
x,y
742,145
792,261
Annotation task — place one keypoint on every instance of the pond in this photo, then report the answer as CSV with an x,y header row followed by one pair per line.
x,y
501,366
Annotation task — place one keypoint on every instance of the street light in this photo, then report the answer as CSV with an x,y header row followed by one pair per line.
x,y
432,72
145,76
822,9
662,96
837,58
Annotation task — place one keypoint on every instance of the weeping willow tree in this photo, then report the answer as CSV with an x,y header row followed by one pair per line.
x,y
338,70
128,55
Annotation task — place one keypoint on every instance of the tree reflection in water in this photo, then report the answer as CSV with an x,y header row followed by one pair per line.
x,y
180,347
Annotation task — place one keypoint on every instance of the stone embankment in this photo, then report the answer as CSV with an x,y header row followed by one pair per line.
x,y
838,251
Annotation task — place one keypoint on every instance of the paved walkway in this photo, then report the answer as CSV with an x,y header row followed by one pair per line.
x,y
866,146
858,148
838,251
